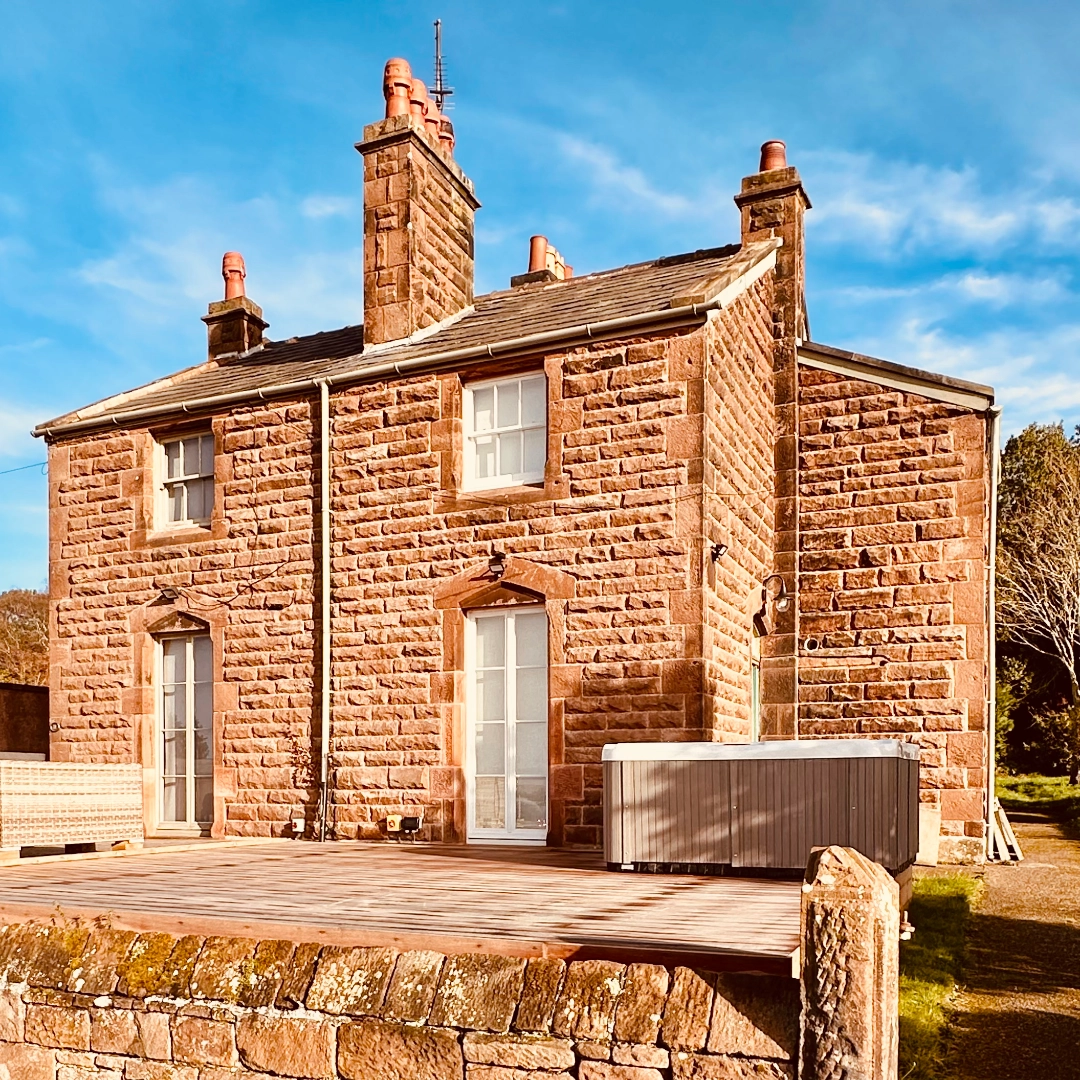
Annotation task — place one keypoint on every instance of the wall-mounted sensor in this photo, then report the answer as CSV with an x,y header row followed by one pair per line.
x,y
719,550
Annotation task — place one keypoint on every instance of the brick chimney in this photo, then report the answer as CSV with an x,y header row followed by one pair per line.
x,y
235,324
418,215
772,203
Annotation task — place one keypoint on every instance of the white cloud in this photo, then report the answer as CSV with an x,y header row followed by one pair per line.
x,y
970,287
323,206
166,269
16,441
895,209
611,178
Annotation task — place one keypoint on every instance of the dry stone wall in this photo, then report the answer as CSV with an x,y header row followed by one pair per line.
x,y
892,584
88,1001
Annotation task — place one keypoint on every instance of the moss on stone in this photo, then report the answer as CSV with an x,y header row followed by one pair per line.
x,y
142,971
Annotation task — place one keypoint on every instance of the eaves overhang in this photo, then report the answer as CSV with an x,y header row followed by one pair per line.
x,y
928,384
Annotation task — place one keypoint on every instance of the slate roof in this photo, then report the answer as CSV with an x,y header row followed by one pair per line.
x,y
642,289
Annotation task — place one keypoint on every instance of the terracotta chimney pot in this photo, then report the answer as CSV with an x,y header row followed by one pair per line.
x,y
397,86
446,134
538,249
431,118
773,156
418,99
234,272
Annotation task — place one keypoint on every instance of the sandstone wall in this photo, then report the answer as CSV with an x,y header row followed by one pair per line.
x,y
739,428
80,1002
108,567
418,231
617,522
618,515
894,495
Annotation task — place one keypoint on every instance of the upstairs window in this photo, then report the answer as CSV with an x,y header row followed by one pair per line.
x,y
187,480
505,432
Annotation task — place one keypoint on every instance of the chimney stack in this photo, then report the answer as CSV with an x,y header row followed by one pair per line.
x,y
418,215
234,325
545,264
772,203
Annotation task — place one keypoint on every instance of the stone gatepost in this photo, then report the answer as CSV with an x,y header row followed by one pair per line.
x,y
850,968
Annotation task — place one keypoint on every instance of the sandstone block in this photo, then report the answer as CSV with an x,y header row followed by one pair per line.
x,y
217,973
686,1066
543,977
755,1016
154,1035
586,1007
56,951
159,1070
413,985
58,1026
641,1004
519,1051
286,1046
498,1072
961,805
478,990
689,1006
199,1041
592,1050
351,981
377,1050
653,1057
597,1070
298,975
12,1016
21,1062
114,1031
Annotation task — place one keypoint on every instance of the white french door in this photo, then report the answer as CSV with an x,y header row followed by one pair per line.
x,y
507,712
186,733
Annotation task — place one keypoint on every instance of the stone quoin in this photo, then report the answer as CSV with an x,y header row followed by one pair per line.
x,y
429,565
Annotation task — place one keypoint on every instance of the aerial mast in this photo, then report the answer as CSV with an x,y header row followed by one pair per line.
x,y
440,91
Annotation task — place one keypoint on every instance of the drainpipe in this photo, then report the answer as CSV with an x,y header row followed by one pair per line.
x,y
324,602
994,412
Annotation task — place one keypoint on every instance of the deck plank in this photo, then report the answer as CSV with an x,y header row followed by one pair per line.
x,y
522,902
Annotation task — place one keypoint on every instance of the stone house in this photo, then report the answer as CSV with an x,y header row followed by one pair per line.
x,y
429,565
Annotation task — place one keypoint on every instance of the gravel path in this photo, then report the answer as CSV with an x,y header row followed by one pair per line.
x,y
1019,1016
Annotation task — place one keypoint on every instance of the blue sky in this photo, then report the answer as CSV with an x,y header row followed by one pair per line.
x,y
138,141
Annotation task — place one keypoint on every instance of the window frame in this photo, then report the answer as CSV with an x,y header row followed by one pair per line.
x,y
470,481
164,483
510,833
191,825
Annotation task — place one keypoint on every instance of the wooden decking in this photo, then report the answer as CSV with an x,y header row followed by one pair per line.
x,y
522,902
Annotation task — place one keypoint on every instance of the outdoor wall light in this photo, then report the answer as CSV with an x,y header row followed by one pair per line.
x,y
169,593
497,564
719,550
778,594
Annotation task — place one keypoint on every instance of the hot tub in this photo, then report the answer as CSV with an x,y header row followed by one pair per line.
x,y
741,807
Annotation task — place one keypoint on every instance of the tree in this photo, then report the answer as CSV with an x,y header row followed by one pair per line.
x,y
24,637
1038,559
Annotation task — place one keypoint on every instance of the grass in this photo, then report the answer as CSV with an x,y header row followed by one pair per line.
x,y
1052,795
930,965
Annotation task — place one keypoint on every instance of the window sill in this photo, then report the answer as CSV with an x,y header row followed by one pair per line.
x,y
451,500
181,533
